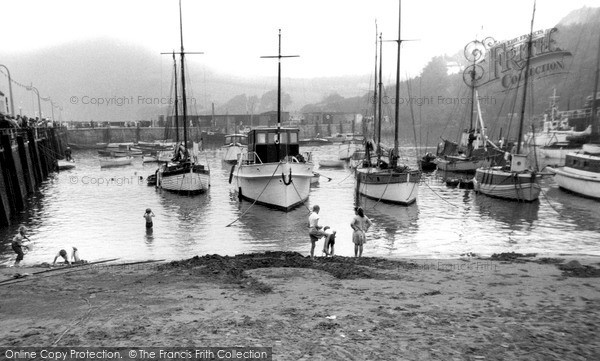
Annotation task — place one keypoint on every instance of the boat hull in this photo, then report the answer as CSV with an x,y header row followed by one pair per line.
x,y
580,181
553,152
65,165
232,152
347,150
269,184
187,179
115,162
331,163
388,186
517,186
453,164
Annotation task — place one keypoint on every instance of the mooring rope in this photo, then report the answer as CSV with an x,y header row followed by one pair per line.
x,y
257,198
300,197
442,198
550,204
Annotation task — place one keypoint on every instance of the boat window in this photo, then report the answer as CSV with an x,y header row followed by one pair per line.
x,y
261,138
271,138
293,138
283,138
227,140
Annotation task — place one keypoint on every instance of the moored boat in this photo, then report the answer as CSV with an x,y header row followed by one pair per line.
x,y
235,145
65,165
517,181
115,162
427,162
273,172
331,163
183,174
388,182
350,146
581,172
315,141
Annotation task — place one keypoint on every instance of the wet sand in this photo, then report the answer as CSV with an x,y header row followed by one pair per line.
x,y
507,308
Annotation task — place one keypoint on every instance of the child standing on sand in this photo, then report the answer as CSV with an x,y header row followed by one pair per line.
x,y
360,224
148,216
315,231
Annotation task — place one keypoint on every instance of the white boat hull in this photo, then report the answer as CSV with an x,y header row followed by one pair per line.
x,y
115,162
65,165
149,159
331,163
189,181
578,181
591,148
390,187
555,153
518,186
232,152
346,151
269,184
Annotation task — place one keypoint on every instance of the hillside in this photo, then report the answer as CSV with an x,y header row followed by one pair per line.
x,y
134,82
438,101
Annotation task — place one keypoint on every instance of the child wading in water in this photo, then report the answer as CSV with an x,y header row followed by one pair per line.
x,y
17,245
148,215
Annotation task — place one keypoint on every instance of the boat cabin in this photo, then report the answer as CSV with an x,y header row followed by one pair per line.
x,y
232,139
263,142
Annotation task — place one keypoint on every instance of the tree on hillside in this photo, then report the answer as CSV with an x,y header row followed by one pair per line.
x,y
239,104
268,101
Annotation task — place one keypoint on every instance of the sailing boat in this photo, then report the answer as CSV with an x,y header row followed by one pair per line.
x,y
391,183
273,172
182,174
518,182
472,151
581,172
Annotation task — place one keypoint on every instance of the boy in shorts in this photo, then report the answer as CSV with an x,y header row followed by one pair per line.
x,y
329,241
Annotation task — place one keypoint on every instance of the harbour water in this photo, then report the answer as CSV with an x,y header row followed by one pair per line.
x,y
100,212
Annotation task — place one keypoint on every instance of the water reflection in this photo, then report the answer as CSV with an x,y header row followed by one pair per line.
x,y
582,213
149,236
514,215
444,222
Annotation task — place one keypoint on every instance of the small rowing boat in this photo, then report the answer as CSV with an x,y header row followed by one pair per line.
x,y
115,162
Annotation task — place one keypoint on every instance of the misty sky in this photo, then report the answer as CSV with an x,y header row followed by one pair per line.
x,y
333,37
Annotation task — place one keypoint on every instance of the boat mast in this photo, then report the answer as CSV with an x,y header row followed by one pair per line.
x,y
472,73
380,92
394,157
176,100
279,56
529,43
595,125
183,100
375,93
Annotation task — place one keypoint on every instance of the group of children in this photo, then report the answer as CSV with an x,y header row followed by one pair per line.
x,y
360,225
18,246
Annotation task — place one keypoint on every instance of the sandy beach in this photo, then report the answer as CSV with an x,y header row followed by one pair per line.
x,y
506,308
